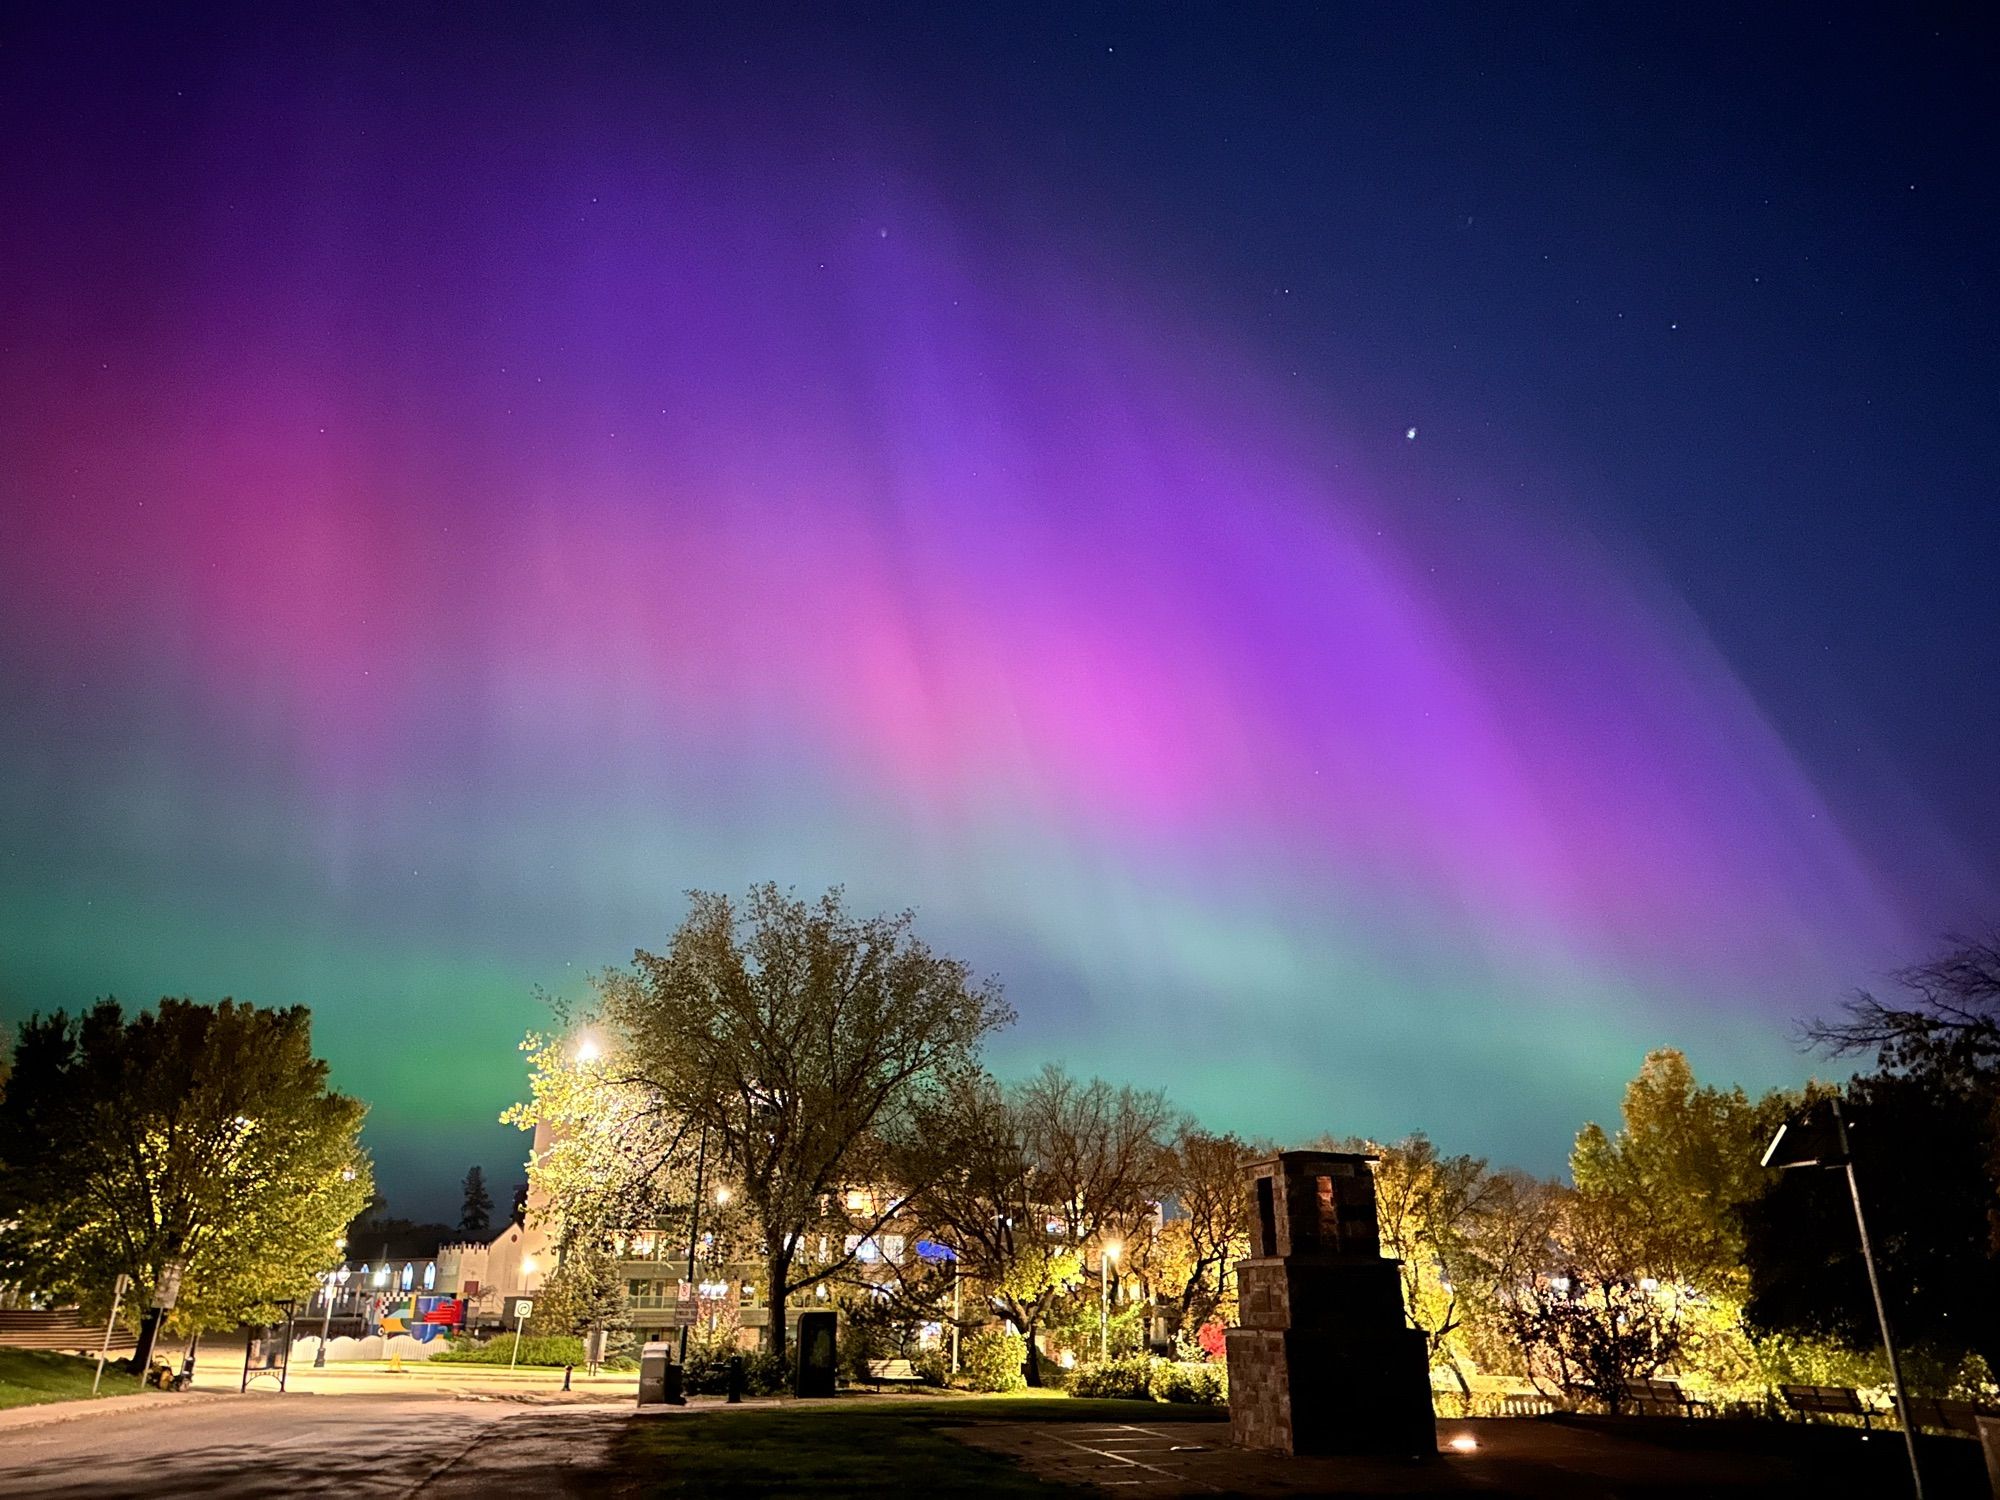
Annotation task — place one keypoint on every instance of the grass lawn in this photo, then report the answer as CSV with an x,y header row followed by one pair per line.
x,y
29,1377
864,1447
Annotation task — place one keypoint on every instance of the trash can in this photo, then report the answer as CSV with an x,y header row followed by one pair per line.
x,y
655,1368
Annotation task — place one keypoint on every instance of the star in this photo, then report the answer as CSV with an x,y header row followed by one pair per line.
x,y
1411,434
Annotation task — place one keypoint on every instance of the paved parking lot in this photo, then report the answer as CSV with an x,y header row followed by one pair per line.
x,y
1562,1460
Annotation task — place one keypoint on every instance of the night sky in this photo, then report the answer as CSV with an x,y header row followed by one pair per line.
x,y
1372,562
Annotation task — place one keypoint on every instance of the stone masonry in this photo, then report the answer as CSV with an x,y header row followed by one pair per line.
x,y
1323,1360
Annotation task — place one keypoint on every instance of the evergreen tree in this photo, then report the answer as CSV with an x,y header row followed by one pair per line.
x,y
475,1219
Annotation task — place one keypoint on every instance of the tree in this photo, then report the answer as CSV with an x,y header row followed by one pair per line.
x,y
797,1039
609,1155
1948,1021
1515,1243
191,1136
1673,1180
583,1295
475,1218
1020,1182
1197,1250
1595,1323
1924,1129
1920,1151
1671,1186
1431,1210
1946,1028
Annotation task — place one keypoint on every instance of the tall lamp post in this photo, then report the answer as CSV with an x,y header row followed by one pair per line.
x,y
681,1314
330,1282
1823,1148
1107,1261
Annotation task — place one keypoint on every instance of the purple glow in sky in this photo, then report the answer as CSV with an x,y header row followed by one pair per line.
x,y
452,536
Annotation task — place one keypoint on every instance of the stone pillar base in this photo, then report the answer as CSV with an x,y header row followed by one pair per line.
x,y
1294,1391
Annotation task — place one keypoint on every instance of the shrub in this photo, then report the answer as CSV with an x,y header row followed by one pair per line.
x,y
554,1350
1189,1384
1126,1379
1214,1340
706,1372
765,1374
991,1360
932,1366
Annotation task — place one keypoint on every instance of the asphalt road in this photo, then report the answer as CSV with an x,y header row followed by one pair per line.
x,y
434,1447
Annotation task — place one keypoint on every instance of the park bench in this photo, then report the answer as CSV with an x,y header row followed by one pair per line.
x,y
1659,1398
1826,1401
60,1330
892,1372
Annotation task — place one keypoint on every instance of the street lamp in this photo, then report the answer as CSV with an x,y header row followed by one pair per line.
x,y
589,1049
1818,1147
1110,1259
682,1315
330,1282
722,1196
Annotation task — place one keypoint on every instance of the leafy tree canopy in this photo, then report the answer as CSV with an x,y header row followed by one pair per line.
x,y
1672,1180
797,1039
199,1134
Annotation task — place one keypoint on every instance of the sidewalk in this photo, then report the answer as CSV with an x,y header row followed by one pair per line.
x,y
68,1411
531,1384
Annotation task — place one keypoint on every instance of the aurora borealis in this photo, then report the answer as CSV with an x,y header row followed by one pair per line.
x,y
459,498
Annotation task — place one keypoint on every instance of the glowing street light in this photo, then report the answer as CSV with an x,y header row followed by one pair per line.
x,y
722,1195
589,1049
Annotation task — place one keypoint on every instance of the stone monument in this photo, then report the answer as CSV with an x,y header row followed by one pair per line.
x,y
1323,1360
814,1374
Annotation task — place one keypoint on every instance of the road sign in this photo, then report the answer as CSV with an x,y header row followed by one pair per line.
x,y
524,1309
167,1290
